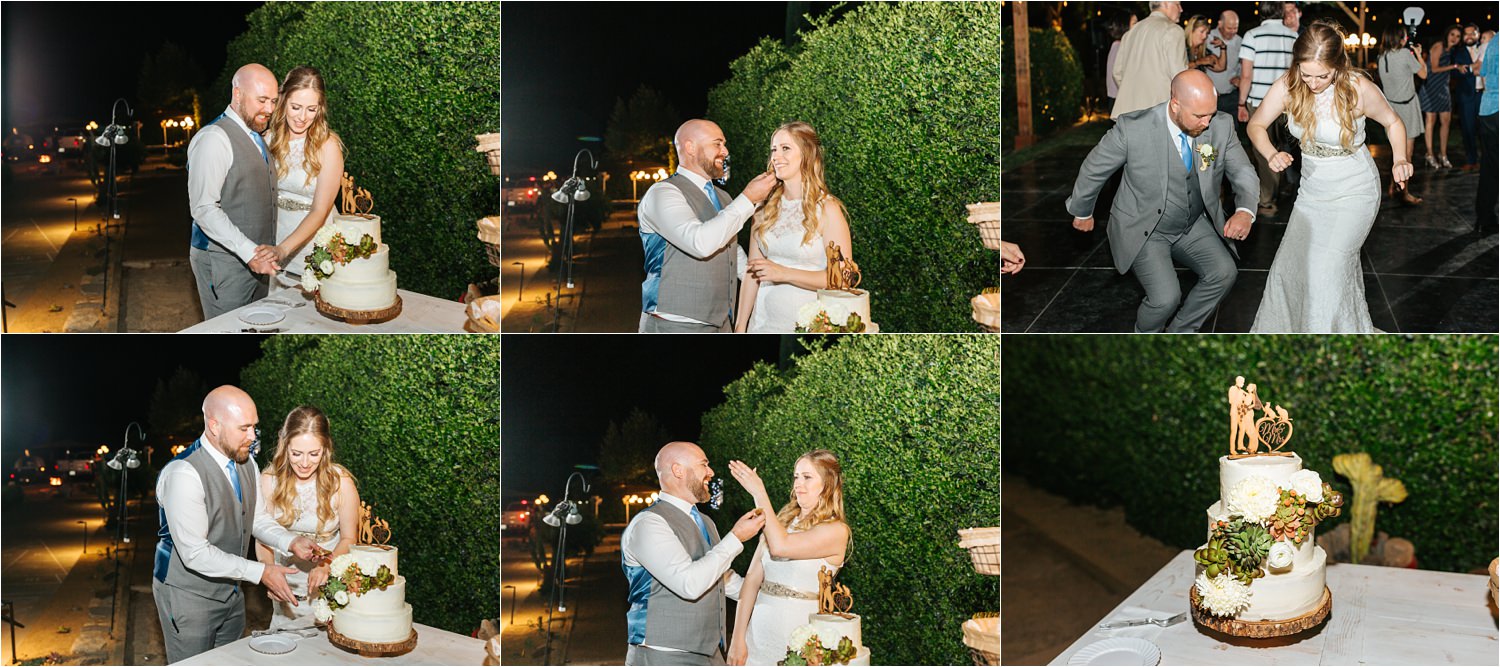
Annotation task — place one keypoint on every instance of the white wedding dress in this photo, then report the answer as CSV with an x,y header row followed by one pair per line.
x,y
776,304
306,506
294,196
1316,284
788,594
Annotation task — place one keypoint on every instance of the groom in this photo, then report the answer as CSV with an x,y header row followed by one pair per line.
x,y
210,503
688,226
678,568
1175,156
232,197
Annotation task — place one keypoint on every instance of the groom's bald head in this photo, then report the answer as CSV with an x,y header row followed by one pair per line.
x,y
1194,102
253,95
682,470
229,421
701,147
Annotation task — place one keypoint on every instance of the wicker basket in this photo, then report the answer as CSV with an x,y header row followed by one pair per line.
x,y
489,235
986,216
478,321
984,548
490,145
982,636
987,311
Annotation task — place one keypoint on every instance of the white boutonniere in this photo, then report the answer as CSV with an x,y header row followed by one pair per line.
x,y
1206,156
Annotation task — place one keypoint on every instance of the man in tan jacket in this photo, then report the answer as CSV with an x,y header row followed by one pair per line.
x,y
1153,52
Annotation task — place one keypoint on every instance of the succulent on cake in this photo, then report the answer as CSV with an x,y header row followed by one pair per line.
x,y
331,250
1212,557
806,649
1223,595
1247,545
1287,523
349,576
816,317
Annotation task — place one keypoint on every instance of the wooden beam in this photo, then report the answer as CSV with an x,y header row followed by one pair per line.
x,y
1025,136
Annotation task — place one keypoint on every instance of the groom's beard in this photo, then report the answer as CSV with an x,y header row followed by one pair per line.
x,y
700,491
713,168
255,122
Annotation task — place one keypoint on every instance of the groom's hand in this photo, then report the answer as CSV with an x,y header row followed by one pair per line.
x,y
1238,226
749,525
274,579
303,547
1084,224
760,187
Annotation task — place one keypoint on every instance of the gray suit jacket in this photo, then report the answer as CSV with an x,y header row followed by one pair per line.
x,y
1141,143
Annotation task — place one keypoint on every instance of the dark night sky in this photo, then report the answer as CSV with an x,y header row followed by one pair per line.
x,y
559,393
563,65
67,62
90,387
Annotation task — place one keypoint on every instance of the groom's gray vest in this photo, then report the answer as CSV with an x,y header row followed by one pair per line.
x,y
1184,201
249,193
702,289
671,621
229,526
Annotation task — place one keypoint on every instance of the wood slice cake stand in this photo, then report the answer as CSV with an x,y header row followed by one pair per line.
x,y
1260,629
372,649
357,317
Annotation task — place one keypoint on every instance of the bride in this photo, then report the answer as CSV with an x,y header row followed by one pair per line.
x,y
1316,284
809,533
310,495
302,147
791,231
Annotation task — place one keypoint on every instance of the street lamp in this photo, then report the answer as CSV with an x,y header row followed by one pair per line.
x,y
164,125
85,525
75,212
112,136
522,284
559,557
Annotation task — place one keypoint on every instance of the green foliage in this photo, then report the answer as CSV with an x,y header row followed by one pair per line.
x,y
176,411
913,420
906,99
409,84
168,82
1141,421
627,450
640,130
1056,83
416,419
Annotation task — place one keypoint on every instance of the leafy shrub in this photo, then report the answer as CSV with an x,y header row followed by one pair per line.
x,y
416,419
906,99
914,422
409,85
1140,422
1056,82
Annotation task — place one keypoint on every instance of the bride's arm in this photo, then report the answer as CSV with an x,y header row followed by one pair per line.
x,y
348,514
738,650
1374,105
1265,114
749,286
835,230
332,155
264,553
824,541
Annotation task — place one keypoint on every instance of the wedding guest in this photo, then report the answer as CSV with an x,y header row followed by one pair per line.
x,y
1291,17
1398,64
1466,90
1150,55
1116,27
1226,39
1198,54
1266,55
1489,138
1436,103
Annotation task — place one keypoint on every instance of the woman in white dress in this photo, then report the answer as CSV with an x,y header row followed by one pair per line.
x,y
310,495
794,226
1316,284
808,534
302,148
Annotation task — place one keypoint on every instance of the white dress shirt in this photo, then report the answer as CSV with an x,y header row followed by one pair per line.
x,y
179,492
209,158
665,211
650,543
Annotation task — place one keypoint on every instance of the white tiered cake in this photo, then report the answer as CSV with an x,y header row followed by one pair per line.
x,y
376,616
363,284
830,628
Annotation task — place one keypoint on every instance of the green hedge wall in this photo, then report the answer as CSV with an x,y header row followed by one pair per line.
x,y
914,421
1141,421
409,85
906,99
1056,82
416,419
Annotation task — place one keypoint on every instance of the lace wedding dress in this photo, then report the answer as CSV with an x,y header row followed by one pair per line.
x,y
788,594
1316,284
776,304
294,196
306,506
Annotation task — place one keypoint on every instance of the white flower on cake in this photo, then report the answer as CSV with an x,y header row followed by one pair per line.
x,y
799,637
1280,556
807,312
341,597
326,266
321,611
1309,484
1223,595
1254,498
324,235
838,313
340,565
310,281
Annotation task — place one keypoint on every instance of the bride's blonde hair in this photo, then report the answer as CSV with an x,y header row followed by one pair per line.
x,y
814,188
305,419
278,143
1323,43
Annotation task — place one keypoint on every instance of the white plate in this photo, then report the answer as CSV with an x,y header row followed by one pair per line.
x,y
1118,651
261,315
273,644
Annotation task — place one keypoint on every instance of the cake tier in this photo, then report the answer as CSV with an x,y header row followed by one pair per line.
x,y
365,269
377,602
861,658
353,227
362,284
1278,469
831,628
1302,557
856,302
1280,596
379,628
380,554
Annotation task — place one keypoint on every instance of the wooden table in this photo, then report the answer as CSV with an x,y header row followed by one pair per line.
x,y
434,647
419,314
1381,616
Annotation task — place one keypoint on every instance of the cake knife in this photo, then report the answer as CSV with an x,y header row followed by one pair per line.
x,y
1163,622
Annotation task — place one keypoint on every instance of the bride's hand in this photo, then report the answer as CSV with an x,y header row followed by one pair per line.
x,y
1280,161
1401,172
767,271
748,478
316,577
738,652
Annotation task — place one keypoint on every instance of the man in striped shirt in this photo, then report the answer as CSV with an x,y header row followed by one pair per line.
x,y
1265,55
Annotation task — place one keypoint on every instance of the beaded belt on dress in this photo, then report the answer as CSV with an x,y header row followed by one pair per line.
x,y
292,205
783,591
316,537
1316,149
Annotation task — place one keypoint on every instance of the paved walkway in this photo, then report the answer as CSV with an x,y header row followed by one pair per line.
x,y
1425,268
607,274
592,629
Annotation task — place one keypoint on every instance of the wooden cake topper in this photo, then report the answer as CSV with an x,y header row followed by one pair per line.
x,y
354,201
372,530
843,274
834,599
1246,433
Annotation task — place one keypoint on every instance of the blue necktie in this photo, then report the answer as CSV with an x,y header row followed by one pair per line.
x,y
1187,152
264,153
712,197
235,475
698,519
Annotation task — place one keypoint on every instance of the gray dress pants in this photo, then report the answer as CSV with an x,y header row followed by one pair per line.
x,y
642,655
1201,250
192,624
224,282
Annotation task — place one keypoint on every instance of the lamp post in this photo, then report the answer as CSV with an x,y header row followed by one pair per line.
x,y
85,525
164,125
75,212
563,515
520,286
124,461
